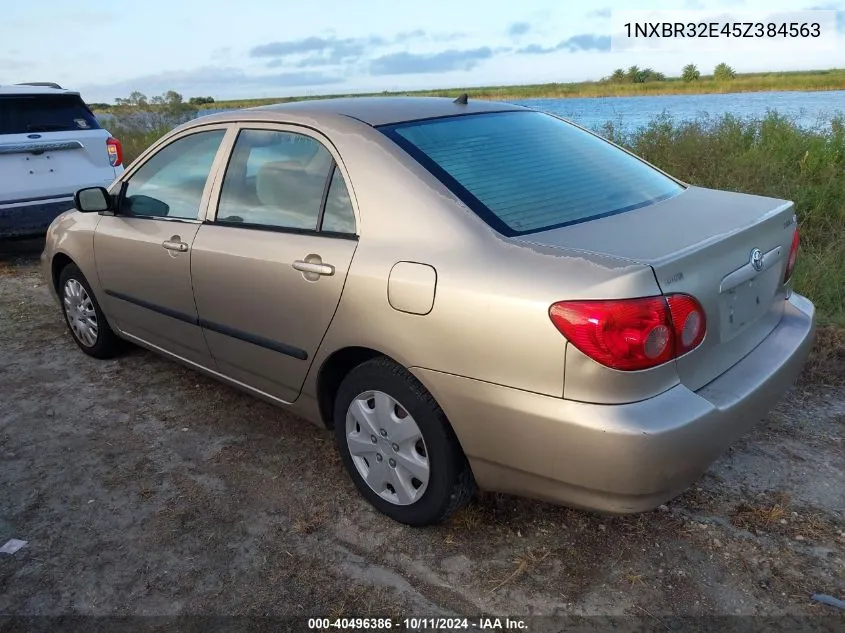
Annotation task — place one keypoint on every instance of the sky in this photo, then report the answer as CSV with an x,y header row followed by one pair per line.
x,y
231,49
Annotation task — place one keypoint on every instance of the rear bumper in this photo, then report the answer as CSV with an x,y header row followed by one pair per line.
x,y
619,458
24,218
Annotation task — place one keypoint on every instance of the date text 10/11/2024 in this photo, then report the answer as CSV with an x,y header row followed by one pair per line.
x,y
417,624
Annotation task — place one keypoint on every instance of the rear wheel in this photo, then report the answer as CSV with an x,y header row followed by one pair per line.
x,y
397,445
84,317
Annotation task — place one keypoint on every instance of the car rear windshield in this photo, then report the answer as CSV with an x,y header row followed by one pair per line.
x,y
22,114
526,171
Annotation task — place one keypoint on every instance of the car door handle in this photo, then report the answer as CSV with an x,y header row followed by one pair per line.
x,y
313,267
175,245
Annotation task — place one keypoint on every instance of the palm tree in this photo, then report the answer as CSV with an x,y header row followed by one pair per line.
x,y
618,76
690,73
649,74
723,72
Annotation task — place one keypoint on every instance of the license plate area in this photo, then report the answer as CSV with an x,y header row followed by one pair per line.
x,y
745,303
39,165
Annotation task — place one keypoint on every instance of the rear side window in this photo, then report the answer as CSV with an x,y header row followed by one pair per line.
x,y
23,114
524,172
292,148
338,216
275,179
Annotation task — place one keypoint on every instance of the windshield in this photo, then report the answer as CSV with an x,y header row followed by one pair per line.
x,y
526,171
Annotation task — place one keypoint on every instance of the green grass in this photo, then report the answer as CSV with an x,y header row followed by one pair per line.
x,y
134,140
833,79
768,156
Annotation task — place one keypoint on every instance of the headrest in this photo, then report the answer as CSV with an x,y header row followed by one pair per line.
x,y
275,182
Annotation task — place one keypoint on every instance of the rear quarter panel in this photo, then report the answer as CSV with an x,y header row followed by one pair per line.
x,y
490,316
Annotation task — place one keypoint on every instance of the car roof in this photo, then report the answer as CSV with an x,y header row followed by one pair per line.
x,y
372,110
34,90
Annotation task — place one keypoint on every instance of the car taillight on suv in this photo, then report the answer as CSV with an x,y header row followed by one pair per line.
x,y
115,150
632,334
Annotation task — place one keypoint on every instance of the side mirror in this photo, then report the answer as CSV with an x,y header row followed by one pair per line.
x,y
92,200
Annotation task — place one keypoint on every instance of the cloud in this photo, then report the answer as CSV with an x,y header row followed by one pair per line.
x,y
518,28
599,13
14,63
314,61
586,42
308,62
422,35
87,17
445,61
331,50
416,34
447,37
209,80
840,14
61,20
311,52
224,53
536,49
576,43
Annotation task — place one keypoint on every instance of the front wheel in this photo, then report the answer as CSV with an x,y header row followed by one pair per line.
x,y
84,317
397,445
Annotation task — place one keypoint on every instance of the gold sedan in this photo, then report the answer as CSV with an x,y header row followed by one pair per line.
x,y
468,293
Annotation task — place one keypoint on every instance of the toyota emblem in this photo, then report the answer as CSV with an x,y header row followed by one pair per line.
x,y
757,259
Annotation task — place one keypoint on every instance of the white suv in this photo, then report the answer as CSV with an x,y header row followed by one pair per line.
x,y
50,146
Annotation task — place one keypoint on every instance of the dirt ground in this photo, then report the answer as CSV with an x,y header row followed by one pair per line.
x,y
143,488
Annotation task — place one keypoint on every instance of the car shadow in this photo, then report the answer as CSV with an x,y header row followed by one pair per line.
x,y
20,251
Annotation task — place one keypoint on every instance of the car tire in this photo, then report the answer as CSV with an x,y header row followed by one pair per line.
x,y
83,316
449,485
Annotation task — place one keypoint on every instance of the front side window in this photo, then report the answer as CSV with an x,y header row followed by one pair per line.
x,y
276,180
526,171
171,183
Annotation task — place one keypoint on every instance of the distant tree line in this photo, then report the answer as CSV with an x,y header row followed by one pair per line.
x,y
722,72
171,102
200,100
690,72
635,75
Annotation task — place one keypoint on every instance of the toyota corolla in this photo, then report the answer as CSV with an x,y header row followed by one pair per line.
x,y
470,294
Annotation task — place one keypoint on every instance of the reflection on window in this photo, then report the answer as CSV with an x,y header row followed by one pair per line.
x,y
339,216
289,148
529,171
274,179
170,184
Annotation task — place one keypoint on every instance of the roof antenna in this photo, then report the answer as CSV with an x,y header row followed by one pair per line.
x,y
462,100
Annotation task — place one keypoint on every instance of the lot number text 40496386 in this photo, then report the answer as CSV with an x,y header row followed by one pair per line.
x,y
417,624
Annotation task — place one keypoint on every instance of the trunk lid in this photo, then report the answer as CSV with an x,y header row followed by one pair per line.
x,y
700,242
53,165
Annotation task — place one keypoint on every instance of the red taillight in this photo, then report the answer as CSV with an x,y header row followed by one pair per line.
x,y
115,150
688,322
793,256
632,334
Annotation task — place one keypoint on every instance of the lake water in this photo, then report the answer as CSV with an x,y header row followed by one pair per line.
x,y
808,109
